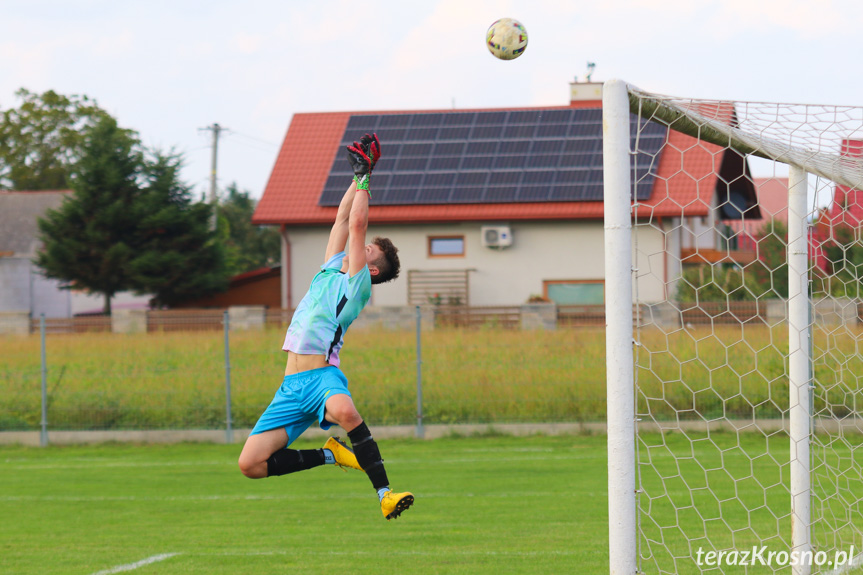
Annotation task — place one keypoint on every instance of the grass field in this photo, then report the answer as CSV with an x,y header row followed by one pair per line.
x,y
483,505
496,505
177,380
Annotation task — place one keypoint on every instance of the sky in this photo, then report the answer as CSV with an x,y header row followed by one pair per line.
x,y
170,69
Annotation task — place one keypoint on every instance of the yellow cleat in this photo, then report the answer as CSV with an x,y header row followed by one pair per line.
x,y
344,455
393,504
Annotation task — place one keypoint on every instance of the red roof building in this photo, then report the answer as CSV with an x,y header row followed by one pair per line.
x,y
689,181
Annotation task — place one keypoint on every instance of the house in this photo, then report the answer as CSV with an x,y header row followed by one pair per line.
x,y
497,206
840,221
258,287
23,288
772,195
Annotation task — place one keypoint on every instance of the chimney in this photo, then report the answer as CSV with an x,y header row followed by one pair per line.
x,y
585,94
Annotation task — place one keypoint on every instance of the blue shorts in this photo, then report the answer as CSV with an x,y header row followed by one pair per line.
x,y
300,401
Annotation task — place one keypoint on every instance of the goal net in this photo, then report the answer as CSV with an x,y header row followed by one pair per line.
x,y
736,378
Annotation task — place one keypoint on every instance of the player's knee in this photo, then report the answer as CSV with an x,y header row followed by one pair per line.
x,y
345,415
250,467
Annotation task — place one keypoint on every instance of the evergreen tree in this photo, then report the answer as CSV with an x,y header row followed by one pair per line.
x,y
177,255
130,225
247,246
86,241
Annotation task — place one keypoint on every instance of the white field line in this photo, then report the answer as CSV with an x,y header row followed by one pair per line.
x,y
575,456
135,565
20,466
281,497
396,552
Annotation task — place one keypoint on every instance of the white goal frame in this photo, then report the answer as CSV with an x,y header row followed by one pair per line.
x,y
618,101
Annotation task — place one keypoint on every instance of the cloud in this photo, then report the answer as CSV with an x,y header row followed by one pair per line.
x,y
247,43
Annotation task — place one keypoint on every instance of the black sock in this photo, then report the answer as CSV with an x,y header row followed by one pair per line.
x,y
286,461
368,455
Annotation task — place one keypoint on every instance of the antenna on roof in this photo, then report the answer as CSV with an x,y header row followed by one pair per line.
x,y
591,66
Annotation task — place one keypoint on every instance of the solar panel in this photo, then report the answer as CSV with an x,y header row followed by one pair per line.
x,y
484,118
468,195
499,194
449,149
505,178
453,133
458,118
413,164
471,179
393,120
446,164
486,132
551,130
477,162
435,195
519,131
440,180
492,157
541,177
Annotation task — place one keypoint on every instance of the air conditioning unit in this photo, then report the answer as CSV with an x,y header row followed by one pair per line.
x,y
496,236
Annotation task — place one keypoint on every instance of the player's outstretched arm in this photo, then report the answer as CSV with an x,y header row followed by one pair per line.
x,y
362,158
359,218
371,147
339,234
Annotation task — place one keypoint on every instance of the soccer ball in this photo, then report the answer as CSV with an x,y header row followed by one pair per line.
x,y
506,39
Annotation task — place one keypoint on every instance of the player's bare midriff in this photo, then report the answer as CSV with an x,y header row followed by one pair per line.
x,y
298,362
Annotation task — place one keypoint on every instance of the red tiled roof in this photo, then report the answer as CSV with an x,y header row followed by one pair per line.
x,y
254,275
685,178
684,185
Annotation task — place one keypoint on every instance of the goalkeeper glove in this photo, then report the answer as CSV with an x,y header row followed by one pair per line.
x,y
373,148
361,163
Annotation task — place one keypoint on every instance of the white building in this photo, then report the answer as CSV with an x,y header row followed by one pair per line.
x,y
496,206
23,288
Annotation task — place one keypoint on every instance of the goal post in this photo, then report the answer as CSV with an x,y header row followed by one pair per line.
x,y
734,290
618,335
799,382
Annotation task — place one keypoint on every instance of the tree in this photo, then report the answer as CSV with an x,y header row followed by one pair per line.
x,y
717,283
177,255
247,246
843,251
130,225
771,270
86,241
42,139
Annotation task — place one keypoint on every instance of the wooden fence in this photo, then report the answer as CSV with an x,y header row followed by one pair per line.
x,y
506,317
83,324
457,316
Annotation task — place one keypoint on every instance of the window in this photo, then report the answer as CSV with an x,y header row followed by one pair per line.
x,y
575,292
446,246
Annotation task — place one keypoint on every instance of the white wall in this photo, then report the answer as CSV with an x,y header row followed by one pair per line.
x,y
654,245
23,288
15,293
509,276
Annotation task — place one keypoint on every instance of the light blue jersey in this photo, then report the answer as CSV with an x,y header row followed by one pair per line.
x,y
332,303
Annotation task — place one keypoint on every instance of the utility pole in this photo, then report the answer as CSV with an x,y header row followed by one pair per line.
x,y
215,129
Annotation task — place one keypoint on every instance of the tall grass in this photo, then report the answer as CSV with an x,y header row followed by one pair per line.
x,y
177,380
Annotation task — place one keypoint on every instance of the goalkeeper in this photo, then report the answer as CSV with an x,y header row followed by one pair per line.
x,y
314,388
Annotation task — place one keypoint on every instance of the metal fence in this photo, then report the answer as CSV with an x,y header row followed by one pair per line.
x,y
467,366
479,366
476,317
